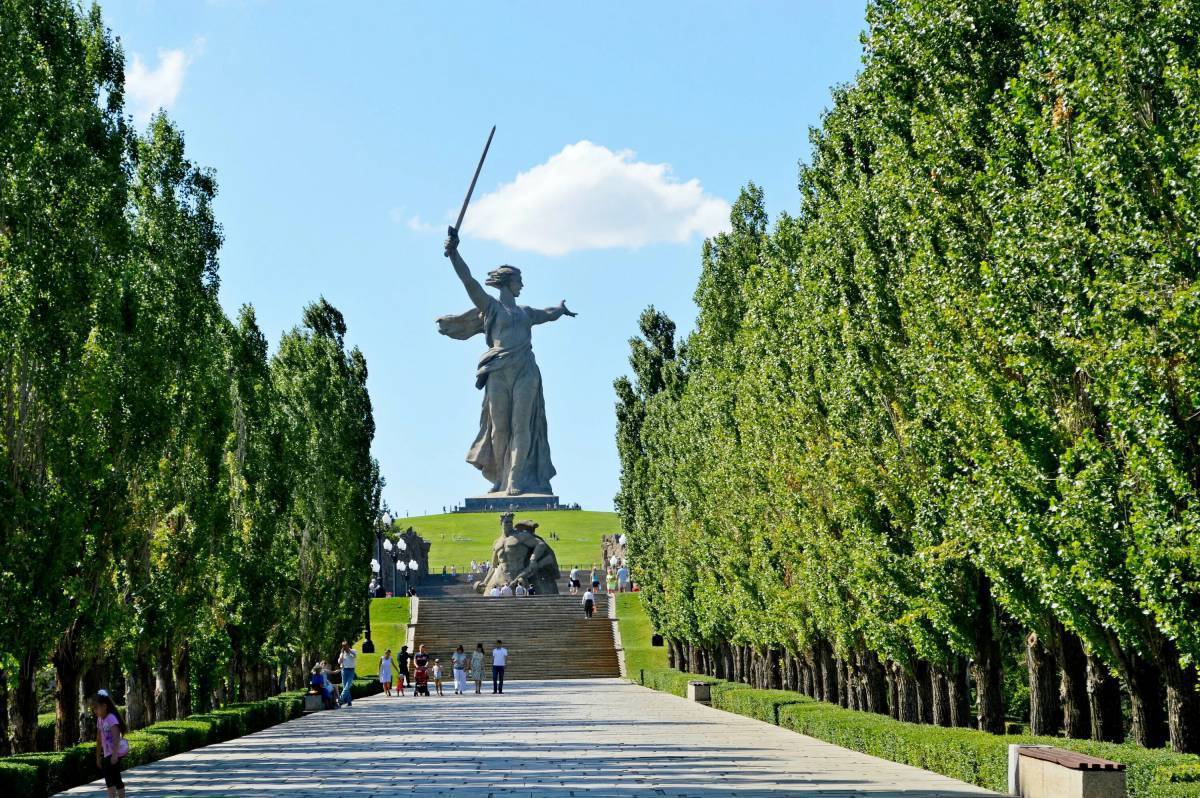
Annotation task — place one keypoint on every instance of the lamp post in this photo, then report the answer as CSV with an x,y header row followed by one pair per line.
x,y
368,644
402,567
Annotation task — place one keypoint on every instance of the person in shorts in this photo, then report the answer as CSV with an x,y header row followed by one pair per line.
x,y
111,745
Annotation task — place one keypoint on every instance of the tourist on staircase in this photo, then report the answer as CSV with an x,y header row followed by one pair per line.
x,y
589,603
574,580
499,660
611,580
506,591
623,578
521,592
477,667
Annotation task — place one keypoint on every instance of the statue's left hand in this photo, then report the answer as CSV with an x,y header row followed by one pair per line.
x,y
563,307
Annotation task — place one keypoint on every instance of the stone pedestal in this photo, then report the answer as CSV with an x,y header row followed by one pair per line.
x,y
503,503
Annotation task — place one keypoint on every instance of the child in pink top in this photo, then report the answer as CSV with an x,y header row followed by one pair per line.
x,y
111,745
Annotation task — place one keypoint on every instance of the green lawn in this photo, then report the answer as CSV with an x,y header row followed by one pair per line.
x,y
635,636
458,538
389,627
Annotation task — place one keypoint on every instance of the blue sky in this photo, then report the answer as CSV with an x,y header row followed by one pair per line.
x,y
343,144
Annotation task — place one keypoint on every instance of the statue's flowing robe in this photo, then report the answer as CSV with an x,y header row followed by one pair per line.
x,y
512,448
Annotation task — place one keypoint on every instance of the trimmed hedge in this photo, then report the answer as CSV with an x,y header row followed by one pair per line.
x,y
44,773
966,754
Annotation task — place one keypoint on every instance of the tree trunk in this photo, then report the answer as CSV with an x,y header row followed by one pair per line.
x,y
774,670
924,677
1073,684
940,685
1104,702
906,695
183,685
1147,702
986,667
876,684
789,670
5,744
843,692
135,707
164,685
893,690
1183,703
670,653
960,695
25,705
1045,712
66,696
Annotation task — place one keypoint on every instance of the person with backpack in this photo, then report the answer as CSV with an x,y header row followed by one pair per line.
x,y
111,745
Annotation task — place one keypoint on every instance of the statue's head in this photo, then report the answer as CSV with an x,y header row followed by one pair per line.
x,y
528,526
506,277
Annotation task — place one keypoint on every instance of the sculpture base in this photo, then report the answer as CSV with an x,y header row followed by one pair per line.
x,y
502,503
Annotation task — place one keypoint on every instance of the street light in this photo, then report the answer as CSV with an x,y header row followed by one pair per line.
x,y
402,567
368,645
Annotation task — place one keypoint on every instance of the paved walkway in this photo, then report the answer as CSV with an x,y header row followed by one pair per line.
x,y
601,738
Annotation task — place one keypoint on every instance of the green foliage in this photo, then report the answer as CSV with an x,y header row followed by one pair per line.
x,y
172,498
956,393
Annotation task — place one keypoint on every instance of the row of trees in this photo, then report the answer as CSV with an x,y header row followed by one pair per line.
x,y
178,510
955,400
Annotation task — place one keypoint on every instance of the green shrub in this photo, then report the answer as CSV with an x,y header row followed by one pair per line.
x,y
43,738
966,754
18,778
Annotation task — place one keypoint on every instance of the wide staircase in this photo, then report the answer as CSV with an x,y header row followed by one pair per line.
x,y
547,637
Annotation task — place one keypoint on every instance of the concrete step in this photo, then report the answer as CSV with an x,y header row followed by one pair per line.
x,y
548,637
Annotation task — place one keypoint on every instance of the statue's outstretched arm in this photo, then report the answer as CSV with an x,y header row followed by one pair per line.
x,y
543,315
475,291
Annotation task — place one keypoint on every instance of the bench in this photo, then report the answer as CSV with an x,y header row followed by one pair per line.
x,y
313,703
1041,771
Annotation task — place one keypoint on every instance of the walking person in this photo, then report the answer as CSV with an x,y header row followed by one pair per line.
x,y
611,582
499,660
459,662
402,662
348,662
589,603
111,745
595,578
437,676
385,672
623,579
477,667
574,580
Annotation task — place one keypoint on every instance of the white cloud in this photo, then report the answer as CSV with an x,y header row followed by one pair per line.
x,y
589,197
412,221
148,90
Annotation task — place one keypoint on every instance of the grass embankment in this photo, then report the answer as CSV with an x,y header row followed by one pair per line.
x,y
966,754
635,637
389,628
458,538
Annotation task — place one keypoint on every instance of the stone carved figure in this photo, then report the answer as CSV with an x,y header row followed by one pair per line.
x,y
512,448
520,554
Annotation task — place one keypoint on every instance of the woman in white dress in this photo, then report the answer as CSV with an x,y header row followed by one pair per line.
x,y
385,671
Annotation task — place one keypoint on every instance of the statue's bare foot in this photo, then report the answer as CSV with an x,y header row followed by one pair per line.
x,y
514,492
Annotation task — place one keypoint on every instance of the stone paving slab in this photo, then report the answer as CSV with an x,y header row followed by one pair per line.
x,y
599,738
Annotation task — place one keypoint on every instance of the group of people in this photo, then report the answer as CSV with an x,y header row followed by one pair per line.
x,y
418,669
321,681
616,581
508,591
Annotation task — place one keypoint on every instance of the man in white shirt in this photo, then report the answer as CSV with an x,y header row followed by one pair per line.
x,y
347,660
574,580
499,660
494,592
589,603
506,592
521,592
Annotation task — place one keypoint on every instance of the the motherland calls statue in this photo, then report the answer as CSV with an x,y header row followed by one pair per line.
x,y
520,555
512,448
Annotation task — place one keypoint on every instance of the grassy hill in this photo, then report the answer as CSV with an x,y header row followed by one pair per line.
x,y
458,538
